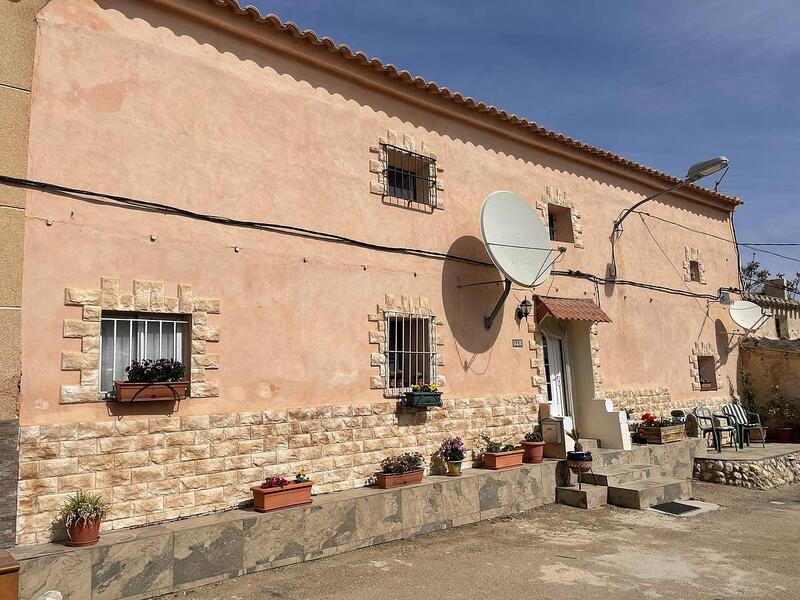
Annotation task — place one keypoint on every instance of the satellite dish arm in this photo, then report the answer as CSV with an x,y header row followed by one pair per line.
x,y
488,320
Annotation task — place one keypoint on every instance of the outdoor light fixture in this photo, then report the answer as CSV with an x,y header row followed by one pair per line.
x,y
524,309
697,171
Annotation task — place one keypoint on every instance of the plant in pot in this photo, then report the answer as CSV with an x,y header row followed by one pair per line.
x,y
578,461
533,447
781,413
82,515
148,380
423,395
400,469
678,416
659,430
277,492
747,397
453,452
497,455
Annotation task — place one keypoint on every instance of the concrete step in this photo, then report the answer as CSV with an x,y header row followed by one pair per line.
x,y
639,455
589,496
590,444
644,493
616,474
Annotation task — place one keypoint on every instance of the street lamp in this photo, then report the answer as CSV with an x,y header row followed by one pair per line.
x,y
697,171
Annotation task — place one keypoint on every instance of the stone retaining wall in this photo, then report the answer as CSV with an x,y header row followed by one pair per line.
x,y
158,469
763,474
658,401
150,561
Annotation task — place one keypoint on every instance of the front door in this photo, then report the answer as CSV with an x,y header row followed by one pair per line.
x,y
558,387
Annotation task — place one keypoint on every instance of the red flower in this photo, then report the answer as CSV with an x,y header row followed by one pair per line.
x,y
274,481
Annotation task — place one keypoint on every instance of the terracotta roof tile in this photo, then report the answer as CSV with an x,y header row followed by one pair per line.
x,y
431,87
764,300
575,309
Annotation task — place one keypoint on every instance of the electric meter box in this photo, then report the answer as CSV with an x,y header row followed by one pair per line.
x,y
554,438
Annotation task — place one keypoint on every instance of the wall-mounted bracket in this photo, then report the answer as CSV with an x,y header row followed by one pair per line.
x,y
489,319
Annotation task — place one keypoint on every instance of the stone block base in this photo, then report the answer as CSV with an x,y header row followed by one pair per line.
x,y
588,496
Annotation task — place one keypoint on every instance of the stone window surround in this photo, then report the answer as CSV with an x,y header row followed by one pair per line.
x,y
704,349
693,254
559,198
147,297
410,306
377,166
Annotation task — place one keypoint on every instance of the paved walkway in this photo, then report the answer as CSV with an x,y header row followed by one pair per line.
x,y
561,553
754,452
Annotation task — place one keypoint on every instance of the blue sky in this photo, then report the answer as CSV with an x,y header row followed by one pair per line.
x,y
662,83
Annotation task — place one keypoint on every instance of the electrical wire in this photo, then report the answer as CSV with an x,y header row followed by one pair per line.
x,y
325,236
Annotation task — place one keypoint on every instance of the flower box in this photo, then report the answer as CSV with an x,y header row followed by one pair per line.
x,y
503,460
392,480
274,498
423,399
149,392
662,435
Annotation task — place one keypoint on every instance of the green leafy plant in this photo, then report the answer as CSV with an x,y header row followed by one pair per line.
x,y
678,413
781,411
301,476
490,445
747,391
575,434
628,413
534,436
402,463
83,508
153,371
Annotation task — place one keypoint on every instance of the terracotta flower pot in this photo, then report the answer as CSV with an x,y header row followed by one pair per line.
x,y
293,494
783,435
502,460
391,480
532,452
150,392
454,468
84,533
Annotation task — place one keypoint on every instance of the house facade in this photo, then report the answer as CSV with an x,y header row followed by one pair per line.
x,y
311,257
783,322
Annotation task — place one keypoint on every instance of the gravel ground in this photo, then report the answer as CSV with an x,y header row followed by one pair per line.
x,y
747,549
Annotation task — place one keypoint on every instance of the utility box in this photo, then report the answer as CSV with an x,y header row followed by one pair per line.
x,y
554,438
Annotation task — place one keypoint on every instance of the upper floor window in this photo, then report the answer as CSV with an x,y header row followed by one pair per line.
x,y
410,351
128,337
560,223
707,369
694,270
410,176
782,327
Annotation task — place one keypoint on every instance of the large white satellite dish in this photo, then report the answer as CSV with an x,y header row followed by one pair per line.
x,y
517,242
516,239
747,315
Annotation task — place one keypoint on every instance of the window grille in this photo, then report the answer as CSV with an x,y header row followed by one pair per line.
x,y
410,352
409,176
126,338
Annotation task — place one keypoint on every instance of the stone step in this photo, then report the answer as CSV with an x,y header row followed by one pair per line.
x,y
606,457
589,444
589,496
616,474
644,493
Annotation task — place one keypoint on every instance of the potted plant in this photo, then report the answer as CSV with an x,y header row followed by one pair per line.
x,y
400,469
781,414
747,395
657,430
82,514
453,453
678,416
277,492
423,395
578,461
497,455
148,380
533,447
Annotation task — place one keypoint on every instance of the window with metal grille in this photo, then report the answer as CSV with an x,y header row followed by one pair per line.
x,y
410,176
410,351
126,337
559,221
708,376
694,270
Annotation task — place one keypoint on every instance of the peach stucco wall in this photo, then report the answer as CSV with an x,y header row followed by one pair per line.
x,y
131,99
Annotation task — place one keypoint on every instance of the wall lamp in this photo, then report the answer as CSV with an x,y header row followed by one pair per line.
x,y
697,171
524,309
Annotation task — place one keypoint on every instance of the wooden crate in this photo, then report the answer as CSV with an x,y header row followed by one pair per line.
x,y
662,435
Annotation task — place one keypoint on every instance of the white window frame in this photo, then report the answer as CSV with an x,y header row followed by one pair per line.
x,y
180,353
420,357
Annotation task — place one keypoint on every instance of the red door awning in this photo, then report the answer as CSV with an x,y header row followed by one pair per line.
x,y
575,309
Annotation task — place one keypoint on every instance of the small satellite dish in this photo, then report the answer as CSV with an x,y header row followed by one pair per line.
x,y
747,315
516,239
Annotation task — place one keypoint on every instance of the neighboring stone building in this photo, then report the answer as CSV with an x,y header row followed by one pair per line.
x,y
784,322
300,341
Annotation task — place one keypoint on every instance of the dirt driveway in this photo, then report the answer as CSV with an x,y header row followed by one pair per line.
x,y
750,548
